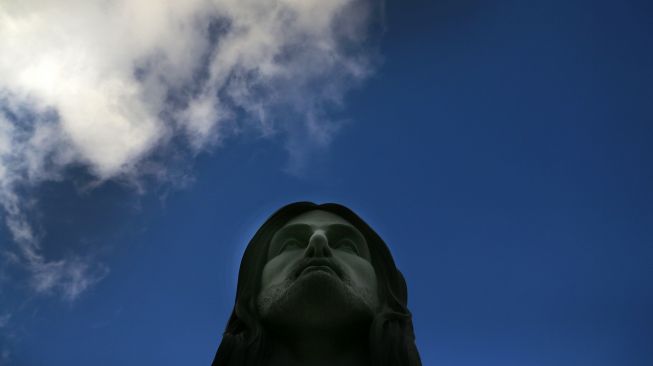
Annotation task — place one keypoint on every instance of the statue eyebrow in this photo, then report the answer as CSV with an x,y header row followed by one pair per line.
x,y
343,229
293,229
348,230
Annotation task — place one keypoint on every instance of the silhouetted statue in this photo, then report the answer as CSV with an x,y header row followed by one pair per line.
x,y
318,287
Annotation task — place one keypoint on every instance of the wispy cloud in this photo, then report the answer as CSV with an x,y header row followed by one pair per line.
x,y
105,84
5,337
4,320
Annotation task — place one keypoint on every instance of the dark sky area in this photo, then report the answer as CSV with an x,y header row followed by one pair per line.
x,y
503,150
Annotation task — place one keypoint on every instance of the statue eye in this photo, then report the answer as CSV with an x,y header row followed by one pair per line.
x,y
290,244
348,246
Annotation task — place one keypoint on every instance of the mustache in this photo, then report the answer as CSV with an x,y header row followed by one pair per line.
x,y
308,262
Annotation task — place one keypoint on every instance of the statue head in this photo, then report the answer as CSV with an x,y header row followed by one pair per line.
x,y
318,269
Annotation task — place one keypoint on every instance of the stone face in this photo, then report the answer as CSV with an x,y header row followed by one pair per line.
x,y
317,286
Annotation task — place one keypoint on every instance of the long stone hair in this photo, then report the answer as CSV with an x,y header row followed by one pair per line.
x,y
391,337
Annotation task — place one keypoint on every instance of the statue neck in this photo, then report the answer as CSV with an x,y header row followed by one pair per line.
x,y
319,348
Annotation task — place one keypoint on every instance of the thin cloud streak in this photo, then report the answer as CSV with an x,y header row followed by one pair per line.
x,y
103,85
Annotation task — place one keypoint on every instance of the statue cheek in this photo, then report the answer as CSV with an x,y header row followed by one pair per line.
x,y
368,276
361,273
364,280
278,269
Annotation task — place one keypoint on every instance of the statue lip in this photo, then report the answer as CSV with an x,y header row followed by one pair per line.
x,y
324,265
318,268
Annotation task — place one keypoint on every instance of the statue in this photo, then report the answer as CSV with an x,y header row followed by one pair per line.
x,y
316,287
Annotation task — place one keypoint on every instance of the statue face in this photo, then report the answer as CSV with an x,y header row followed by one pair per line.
x,y
318,273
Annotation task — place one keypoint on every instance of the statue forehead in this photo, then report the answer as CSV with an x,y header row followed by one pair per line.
x,y
318,218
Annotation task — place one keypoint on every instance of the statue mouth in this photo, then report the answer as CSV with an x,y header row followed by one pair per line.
x,y
311,269
321,265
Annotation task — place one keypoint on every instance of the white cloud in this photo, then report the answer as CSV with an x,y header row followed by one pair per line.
x,y
103,84
4,320
6,336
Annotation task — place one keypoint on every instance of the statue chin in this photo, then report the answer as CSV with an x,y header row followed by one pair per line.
x,y
317,300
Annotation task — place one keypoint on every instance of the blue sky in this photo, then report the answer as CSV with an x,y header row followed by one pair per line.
x,y
502,150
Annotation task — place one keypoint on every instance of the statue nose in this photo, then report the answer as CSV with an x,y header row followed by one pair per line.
x,y
318,245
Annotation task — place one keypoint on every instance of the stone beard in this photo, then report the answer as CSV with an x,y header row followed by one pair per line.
x,y
320,293
316,293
